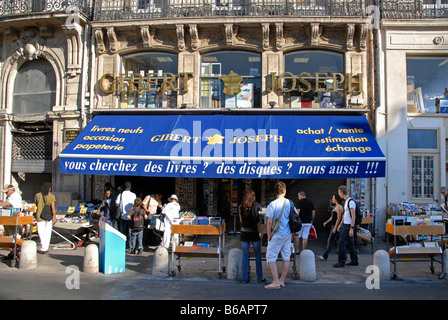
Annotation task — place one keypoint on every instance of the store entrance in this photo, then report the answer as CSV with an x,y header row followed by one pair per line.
x,y
221,197
143,186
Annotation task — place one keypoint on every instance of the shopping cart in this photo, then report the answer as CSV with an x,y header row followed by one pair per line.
x,y
89,229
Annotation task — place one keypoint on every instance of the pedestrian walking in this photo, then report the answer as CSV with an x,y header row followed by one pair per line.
x,y
45,215
346,231
305,209
170,212
334,221
249,217
278,241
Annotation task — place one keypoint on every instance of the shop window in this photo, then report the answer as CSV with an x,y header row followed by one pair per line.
x,y
423,162
150,80
34,88
216,66
324,66
427,78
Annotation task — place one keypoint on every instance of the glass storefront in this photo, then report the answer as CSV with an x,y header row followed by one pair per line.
x,y
232,79
217,65
154,69
310,65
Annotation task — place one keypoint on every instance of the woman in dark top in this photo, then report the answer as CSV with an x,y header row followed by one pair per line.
x,y
248,212
334,220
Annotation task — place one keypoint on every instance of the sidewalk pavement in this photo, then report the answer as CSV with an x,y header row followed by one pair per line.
x,y
206,269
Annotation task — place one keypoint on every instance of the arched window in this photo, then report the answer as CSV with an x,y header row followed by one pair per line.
x,y
216,66
314,64
34,88
155,68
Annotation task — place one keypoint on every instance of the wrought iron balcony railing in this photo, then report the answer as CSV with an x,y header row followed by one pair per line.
x,y
414,9
145,9
21,7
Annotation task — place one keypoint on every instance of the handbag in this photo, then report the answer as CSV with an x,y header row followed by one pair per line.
x,y
276,221
313,233
295,224
46,213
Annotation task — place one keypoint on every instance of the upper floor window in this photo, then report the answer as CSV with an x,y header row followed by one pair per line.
x,y
150,79
215,86
34,88
423,161
427,80
316,82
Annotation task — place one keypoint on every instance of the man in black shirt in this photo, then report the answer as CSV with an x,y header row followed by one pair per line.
x,y
305,209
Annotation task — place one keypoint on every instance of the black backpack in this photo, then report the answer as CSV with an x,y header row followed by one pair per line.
x,y
137,220
358,214
295,224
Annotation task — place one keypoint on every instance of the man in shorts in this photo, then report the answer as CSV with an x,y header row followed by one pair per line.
x,y
305,209
280,241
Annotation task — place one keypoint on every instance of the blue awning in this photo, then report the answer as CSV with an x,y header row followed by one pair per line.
x,y
231,146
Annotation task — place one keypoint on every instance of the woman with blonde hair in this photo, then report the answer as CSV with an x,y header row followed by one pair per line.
x,y
248,212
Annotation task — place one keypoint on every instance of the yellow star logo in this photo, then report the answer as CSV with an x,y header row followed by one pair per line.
x,y
216,139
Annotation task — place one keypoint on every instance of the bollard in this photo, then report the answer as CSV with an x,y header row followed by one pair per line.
x,y
28,255
381,260
307,266
91,259
234,261
160,267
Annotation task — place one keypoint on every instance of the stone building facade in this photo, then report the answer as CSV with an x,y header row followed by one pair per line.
x,y
149,56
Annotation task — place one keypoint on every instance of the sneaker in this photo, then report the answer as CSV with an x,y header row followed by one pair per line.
x,y
339,264
322,258
351,263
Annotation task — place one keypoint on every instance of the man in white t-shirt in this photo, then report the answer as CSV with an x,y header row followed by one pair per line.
x,y
346,231
280,241
13,199
126,201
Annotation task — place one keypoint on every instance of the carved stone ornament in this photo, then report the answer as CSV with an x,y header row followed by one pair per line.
x,y
265,35
31,45
279,36
194,36
180,37
99,37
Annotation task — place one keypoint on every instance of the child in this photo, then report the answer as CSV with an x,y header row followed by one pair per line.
x,y
137,215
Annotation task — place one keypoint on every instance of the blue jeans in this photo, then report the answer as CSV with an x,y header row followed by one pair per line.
x,y
330,241
343,238
136,240
245,262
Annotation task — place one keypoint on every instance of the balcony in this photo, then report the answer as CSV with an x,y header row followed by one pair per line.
x,y
414,9
26,7
148,9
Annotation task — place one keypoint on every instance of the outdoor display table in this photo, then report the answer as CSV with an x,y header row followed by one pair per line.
x,y
13,242
204,252
415,253
367,238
